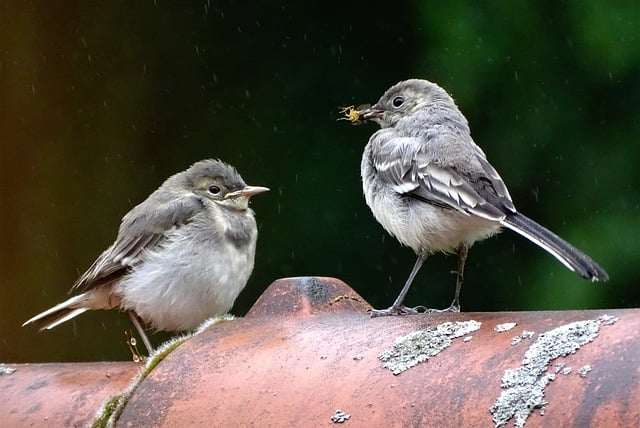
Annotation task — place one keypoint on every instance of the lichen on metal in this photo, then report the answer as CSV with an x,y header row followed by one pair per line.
x,y
562,368
526,334
6,370
340,417
419,346
524,386
607,319
584,370
505,326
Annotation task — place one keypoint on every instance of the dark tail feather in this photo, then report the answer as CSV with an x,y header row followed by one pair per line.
x,y
566,253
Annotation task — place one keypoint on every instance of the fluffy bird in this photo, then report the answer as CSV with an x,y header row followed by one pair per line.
x,y
181,256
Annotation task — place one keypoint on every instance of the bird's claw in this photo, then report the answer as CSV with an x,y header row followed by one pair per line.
x,y
405,310
453,307
399,310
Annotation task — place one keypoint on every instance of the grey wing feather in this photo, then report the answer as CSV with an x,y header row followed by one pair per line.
x,y
142,228
497,184
414,173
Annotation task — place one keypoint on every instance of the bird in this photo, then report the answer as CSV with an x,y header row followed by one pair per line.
x,y
181,256
432,188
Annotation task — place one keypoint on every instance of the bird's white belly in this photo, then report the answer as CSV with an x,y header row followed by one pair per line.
x,y
177,288
427,228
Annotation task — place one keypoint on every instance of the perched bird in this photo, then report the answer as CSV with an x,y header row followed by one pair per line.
x,y
432,188
181,256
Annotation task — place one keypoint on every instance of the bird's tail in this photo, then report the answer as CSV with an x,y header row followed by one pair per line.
x,y
58,314
97,298
566,253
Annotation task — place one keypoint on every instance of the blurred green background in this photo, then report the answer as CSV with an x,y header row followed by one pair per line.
x,y
101,101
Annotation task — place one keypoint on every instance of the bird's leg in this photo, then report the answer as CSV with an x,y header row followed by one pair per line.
x,y
463,250
135,319
398,308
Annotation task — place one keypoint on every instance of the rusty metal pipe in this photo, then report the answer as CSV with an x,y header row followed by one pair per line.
x,y
308,354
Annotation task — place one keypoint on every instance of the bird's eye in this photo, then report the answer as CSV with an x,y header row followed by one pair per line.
x,y
397,101
214,189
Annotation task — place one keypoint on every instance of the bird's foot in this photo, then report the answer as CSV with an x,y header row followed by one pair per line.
x,y
453,307
398,310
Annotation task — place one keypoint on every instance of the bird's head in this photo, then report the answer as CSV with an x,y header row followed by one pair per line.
x,y
220,183
399,101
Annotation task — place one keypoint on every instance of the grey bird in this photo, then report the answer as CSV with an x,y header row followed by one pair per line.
x,y
180,257
432,188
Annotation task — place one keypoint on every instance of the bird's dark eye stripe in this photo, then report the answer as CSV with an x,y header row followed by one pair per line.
x,y
398,101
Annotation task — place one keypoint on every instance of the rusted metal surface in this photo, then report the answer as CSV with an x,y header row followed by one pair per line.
x,y
307,295
59,395
308,348
308,354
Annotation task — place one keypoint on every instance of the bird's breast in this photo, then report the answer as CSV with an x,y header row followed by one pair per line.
x,y
194,275
424,227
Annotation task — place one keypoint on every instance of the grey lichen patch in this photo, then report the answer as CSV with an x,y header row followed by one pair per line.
x,y
110,412
561,368
419,346
6,370
526,334
340,417
506,326
524,386
607,319
584,370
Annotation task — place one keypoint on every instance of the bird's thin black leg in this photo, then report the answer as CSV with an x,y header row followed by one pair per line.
x,y
463,251
398,308
136,322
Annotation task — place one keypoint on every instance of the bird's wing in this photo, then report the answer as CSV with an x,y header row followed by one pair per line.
x,y
492,184
405,164
144,227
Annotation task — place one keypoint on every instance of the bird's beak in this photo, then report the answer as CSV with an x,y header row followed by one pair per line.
x,y
247,191
370,113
